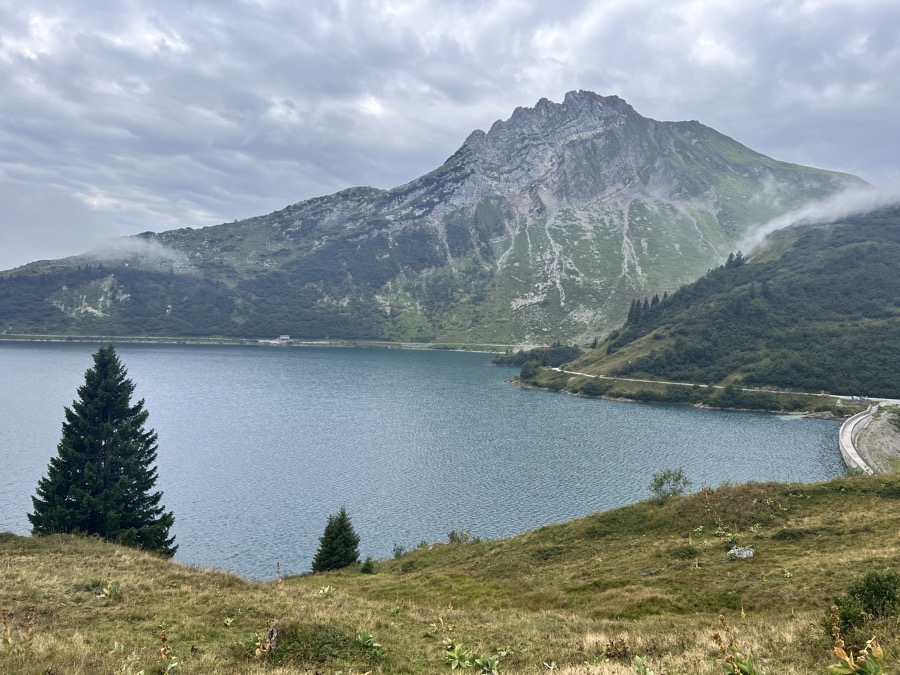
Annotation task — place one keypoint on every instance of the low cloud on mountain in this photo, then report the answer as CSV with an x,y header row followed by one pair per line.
x,y
140,248
850,202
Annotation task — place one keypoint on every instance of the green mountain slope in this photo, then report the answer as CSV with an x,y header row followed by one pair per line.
x,y
585,596
542,228
817,309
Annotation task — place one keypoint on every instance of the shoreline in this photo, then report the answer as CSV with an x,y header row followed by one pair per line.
x,y
848,409
658,391
810,415
476,347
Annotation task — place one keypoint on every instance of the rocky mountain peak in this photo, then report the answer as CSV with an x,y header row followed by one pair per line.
x,y
548,122
579,107
572,149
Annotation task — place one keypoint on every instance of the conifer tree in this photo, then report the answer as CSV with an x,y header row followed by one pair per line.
x,y
633,311
101,480
338,545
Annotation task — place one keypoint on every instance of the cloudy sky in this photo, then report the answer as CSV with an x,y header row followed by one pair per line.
x,y
133,115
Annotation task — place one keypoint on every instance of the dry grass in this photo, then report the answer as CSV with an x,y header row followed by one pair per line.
x,y
584,596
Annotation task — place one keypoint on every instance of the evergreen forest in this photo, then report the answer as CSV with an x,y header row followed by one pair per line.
x,y
816,308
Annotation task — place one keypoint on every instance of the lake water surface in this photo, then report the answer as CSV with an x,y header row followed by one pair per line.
x,y
258,445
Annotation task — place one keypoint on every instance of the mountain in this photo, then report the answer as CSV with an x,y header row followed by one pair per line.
x,y
817,308
543,228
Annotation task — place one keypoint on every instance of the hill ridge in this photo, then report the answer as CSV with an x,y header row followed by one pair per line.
x,y
815,310
544,227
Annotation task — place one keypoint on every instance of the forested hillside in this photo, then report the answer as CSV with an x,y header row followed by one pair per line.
x,y
817,308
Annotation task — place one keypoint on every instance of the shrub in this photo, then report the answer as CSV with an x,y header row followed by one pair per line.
x,y
850,661
314,643
787,534
734,661
686,552
461,536
667,484
595,387
529,371
874,596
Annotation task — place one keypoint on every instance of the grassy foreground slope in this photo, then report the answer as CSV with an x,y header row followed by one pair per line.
x,y
817,309
644,579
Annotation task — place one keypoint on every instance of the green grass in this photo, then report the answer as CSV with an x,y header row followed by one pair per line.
x,y
687,394
895,418
655,576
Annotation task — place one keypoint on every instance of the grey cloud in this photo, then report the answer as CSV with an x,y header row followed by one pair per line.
x,y
166,114
126,248
841,205
49,224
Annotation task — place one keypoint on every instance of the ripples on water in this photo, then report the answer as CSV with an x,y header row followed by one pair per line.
x,y
258,445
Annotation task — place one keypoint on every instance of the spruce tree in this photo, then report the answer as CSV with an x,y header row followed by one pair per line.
x,y
338,545
101,481
633,311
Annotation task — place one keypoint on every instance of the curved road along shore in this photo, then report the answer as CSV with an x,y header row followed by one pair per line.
x,y
847,439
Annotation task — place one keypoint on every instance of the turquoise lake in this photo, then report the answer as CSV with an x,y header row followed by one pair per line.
x,y
258,445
